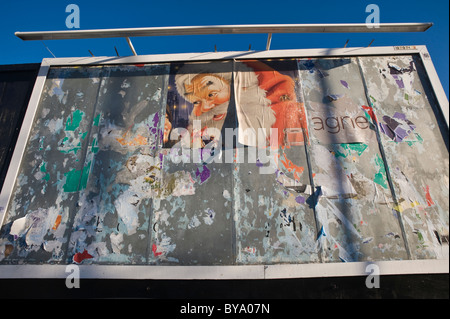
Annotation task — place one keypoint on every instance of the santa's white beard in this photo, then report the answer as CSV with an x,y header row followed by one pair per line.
x,y
207,120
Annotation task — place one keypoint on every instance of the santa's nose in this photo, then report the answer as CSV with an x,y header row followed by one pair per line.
x,y
207,105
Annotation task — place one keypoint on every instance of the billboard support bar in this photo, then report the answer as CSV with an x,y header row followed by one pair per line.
x,y
224,29
269,40
131,46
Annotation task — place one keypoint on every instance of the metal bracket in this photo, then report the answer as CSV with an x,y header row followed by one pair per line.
x,y
269,40
131,46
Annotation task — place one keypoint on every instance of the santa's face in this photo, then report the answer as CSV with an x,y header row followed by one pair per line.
x,y
206,92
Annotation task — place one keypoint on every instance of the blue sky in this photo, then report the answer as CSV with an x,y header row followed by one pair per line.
x,y
49,15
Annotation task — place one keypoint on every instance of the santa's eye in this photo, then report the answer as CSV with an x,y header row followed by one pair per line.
x,y
212,94
196,102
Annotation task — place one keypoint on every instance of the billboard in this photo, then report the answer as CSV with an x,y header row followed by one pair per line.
x,y
238,160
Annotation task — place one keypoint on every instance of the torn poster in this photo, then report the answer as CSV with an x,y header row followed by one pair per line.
x,y
269,110
339,121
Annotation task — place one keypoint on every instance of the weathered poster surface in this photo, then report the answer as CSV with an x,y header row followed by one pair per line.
x,y
232,162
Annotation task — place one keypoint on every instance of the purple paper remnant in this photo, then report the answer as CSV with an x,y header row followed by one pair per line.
x,y
344,83
386,130
399,116
156,119
258,163
399,81
153,128
402,117
400,134
398,127
300,199
204,174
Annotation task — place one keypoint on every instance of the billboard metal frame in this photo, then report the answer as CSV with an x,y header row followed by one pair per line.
x,y
272,271
224,29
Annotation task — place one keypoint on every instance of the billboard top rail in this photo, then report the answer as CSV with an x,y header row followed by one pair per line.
x,y
224,29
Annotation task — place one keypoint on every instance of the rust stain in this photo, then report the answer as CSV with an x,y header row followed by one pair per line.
x,y
136,141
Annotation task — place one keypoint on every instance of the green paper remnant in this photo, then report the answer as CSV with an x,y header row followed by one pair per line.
x,y
43,169
75,148
359,148
96,120
73,122
76,180
380,177
419,139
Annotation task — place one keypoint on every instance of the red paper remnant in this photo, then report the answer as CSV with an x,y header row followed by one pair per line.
x,y
154,249
371,113
79,257
428,196
291,167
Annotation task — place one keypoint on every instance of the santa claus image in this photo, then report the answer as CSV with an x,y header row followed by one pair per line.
x,y
265,100
208,87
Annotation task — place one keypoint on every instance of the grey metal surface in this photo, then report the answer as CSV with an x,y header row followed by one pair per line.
x,y
112,215
415,139
354,206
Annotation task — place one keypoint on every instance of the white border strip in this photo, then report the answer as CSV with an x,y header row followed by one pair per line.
x,y
400,267
435,82
284,271
236,55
